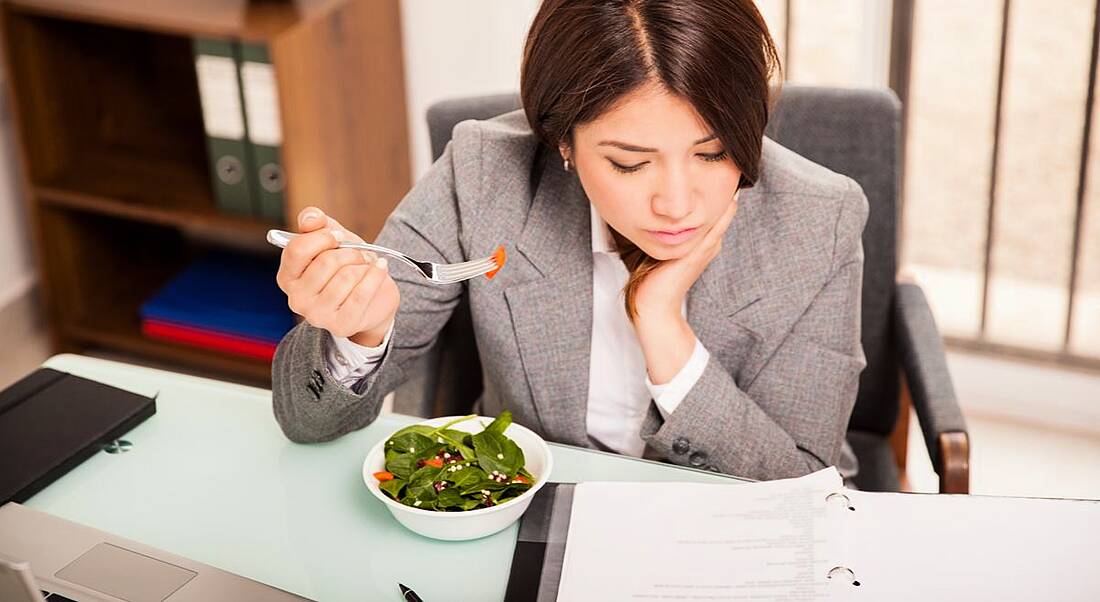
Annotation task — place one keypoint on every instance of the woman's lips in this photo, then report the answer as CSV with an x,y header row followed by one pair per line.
x,y
672,237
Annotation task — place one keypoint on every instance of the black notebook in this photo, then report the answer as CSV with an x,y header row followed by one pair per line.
x,y
51,421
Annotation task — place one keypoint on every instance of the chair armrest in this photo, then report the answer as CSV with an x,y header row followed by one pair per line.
x,y
924,364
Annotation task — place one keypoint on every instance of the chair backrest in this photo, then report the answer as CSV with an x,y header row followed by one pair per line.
x,y
853,132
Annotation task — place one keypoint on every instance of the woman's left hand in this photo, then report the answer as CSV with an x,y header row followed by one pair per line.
x,y
662,291
664,334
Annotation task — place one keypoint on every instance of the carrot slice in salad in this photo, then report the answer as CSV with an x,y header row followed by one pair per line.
x,y
383,476
499,258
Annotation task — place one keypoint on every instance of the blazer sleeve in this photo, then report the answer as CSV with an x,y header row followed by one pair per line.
x,y
309,404
793,417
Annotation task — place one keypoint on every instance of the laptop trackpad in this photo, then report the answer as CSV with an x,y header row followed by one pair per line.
x,y
124,574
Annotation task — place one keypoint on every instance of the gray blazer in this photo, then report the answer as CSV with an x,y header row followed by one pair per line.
x,y
778,309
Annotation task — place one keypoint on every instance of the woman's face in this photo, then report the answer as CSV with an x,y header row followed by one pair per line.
x,y
654,171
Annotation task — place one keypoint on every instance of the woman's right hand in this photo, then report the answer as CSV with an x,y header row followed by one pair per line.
x,y
347,292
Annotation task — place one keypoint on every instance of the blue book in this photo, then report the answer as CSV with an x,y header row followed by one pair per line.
x,y
225,292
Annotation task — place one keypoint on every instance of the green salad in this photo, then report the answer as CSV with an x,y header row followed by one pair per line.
x,y
447,470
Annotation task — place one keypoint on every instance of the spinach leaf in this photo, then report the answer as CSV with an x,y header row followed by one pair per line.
x,y
458,442
467,475
402,465
457,435
513,490
500,423
452,436
497,452
410,442
482,485
393,487
425,474
421,429
424,493
449,498
425,504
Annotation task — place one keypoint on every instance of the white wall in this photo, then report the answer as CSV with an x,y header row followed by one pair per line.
x,y
16,268
458,49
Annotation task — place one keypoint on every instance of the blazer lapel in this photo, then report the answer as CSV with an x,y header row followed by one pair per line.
x,y
723,304
552,309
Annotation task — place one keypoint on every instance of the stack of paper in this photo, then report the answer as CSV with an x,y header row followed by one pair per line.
x,y
811,539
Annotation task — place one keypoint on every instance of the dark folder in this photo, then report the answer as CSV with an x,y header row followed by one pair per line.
x,y
540,546
51,421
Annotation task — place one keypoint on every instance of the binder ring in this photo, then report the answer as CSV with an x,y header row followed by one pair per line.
x,y
843,572
271,178
229,170
847,502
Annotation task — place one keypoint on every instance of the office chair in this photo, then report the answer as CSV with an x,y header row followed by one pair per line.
x,y
853,132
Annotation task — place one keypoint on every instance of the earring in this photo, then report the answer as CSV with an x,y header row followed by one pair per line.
x,y
567,165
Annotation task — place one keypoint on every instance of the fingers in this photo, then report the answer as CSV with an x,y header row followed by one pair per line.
x,y
324,268
336,226
311,219
362,301
300,253
362,294
337,289
711,243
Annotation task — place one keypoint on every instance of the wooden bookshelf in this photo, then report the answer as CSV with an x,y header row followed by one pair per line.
x,y
109,127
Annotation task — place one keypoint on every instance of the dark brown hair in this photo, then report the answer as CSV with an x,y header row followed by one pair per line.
x,y
581,56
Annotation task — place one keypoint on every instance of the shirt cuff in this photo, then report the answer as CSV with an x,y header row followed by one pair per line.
x,y
669,395
349,362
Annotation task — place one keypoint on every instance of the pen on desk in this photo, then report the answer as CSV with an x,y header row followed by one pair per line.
x,y
408,594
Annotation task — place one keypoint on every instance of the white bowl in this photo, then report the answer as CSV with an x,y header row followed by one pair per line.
x,y
471,524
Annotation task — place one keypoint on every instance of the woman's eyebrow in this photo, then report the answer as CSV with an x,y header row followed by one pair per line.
x,y
642,149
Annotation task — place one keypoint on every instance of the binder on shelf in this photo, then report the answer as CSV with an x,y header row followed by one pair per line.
x,y
209,339
216,62
224,301
265,133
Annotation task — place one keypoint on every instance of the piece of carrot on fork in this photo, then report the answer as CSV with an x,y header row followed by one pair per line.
x,y
499,258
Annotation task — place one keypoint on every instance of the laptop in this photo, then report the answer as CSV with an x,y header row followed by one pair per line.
x,y
43,557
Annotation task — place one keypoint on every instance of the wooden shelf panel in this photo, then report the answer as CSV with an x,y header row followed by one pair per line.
x,y
140,179
246,19
194,218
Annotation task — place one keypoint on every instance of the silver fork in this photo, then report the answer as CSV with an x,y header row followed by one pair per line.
x,y
439,273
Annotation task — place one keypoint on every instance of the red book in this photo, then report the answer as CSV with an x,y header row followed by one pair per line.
x,y
209,339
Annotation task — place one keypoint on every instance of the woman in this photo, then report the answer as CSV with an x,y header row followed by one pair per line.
x,y
678,286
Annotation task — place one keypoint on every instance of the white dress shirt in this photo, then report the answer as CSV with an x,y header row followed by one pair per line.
x,y
619,389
